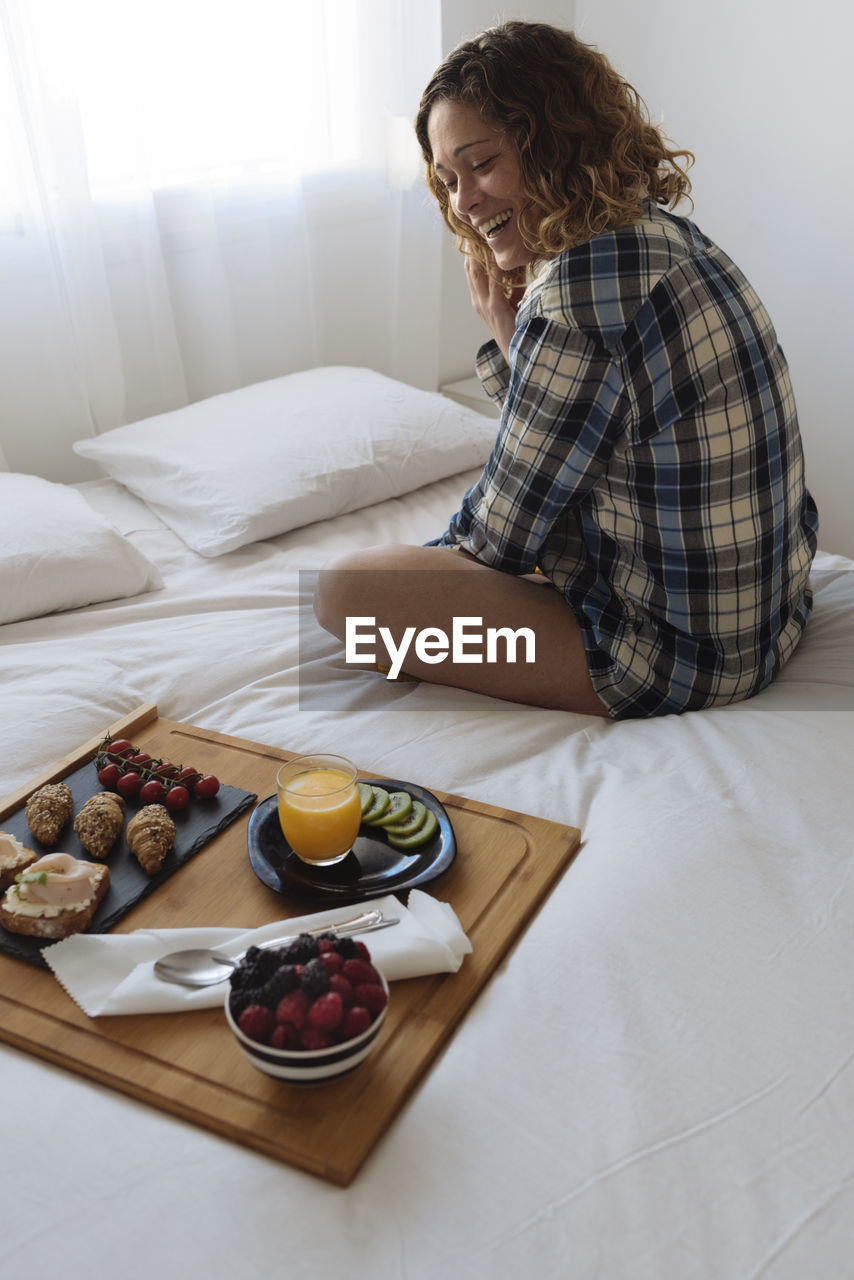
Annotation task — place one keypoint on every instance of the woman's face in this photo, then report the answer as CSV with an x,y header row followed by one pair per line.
x,y
479,166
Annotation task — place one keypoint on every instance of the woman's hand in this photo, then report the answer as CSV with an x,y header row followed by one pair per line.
x,y
496,310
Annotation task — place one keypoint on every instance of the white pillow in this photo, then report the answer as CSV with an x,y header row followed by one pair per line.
x,y
57,553
254,463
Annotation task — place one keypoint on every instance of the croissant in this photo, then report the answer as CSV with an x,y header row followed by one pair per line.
x,y
150,835
99,822
48,810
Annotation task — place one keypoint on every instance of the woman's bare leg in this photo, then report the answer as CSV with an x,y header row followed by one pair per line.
x,y
403,587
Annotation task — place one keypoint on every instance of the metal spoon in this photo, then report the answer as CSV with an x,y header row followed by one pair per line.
x,y
203,967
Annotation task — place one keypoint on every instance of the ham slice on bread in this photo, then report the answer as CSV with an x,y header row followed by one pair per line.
x,y
14,858
55,896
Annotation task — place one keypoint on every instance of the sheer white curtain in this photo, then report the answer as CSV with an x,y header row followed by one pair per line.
x,y
200,194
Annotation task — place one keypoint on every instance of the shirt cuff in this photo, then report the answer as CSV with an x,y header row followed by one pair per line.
x,y
493,371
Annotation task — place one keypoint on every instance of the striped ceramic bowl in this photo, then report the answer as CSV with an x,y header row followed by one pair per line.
x,y
310,1066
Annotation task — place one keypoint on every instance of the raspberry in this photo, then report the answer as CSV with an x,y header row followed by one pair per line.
x,y
293,1008
372,996
356,1020
333,962
284,1036
257,1022
314,978
314,1038
325,943
337,982
359,971
362,952
326,1012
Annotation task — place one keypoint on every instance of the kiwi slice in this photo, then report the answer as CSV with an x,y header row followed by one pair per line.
x,y
409,825
380,802
425,832
366,795
399,808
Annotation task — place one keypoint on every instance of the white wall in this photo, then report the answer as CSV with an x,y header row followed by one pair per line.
x,y
762,91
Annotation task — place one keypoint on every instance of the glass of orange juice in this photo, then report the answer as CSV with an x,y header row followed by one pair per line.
x,y
319,807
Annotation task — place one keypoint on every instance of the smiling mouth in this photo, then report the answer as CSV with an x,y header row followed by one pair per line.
x,y
496,225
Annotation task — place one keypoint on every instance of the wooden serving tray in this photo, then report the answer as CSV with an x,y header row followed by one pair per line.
x,y
189,1064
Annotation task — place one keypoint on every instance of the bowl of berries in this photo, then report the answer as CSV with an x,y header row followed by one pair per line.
x,y
309,1010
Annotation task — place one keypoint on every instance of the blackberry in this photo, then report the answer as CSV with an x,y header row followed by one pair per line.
x,y
300,951
240,1000
345,946
285,979
260,963
275,957
315,978
245,976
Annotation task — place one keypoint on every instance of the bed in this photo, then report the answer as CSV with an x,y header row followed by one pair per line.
x,y
657,1081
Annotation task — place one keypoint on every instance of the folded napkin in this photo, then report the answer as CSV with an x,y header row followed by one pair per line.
x,y
112,973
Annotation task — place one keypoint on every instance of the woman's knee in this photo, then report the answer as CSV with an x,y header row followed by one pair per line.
x,y
331,593
345,581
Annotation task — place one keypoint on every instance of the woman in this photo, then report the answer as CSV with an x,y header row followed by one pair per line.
x,y
648,467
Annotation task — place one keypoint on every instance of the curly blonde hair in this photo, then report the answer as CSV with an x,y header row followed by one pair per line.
x,y
588,153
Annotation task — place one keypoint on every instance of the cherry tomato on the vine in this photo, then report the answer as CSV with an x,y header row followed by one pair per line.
x,y
109,775
206,787
134,773
177,798
129,783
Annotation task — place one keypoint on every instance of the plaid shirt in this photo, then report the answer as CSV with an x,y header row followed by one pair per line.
x,y
649,462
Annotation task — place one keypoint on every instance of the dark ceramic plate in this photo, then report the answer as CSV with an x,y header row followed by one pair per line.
x,y
372,868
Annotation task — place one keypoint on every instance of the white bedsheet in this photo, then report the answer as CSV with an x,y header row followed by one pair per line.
x,y
657,1083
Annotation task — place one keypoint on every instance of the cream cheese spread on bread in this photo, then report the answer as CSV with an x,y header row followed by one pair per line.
x,y
52,885
12,852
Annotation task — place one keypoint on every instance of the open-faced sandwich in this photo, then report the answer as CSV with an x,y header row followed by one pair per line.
x,y
55,896
14,857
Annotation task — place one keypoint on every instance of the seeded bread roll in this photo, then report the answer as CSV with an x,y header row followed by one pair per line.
x,y
99,822
48,810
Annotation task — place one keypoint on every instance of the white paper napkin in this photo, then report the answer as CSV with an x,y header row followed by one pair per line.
x,y
113,973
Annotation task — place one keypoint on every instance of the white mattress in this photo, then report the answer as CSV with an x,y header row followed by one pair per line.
x,y
658,1081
